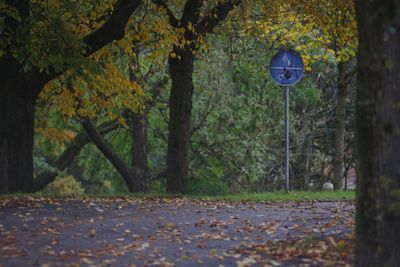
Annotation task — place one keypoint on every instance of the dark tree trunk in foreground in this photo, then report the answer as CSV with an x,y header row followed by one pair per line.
x,y
180,106
378,132
19,90
16,112
340,126
16,128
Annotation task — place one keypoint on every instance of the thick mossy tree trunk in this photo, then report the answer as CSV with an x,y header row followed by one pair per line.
x,y
16,130
378,133
340,126
180,112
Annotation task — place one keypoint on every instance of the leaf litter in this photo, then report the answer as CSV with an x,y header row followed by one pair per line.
x,y
131,231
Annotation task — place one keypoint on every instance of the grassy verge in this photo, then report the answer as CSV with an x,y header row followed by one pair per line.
x,y
291,196
268,196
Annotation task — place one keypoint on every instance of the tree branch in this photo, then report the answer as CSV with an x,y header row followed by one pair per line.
x,y
107,151
155,93
68,155
203,118
219,13
173,21
112,29
191,12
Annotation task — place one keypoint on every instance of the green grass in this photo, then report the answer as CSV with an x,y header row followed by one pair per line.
x,y
268,196
291,196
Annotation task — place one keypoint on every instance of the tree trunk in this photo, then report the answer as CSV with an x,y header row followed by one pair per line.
x,y
16,131
309,151
139,152
340,128
139,144
180,105
378,133
133,182
108,152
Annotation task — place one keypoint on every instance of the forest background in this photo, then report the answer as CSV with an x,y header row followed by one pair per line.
x,y
184,102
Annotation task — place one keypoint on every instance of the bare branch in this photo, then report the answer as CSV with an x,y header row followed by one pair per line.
x,y
173,21
219,13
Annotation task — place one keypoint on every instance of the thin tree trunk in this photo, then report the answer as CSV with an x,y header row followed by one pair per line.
x,y
340,128
378,133
307,181
139,144
140,165
180,105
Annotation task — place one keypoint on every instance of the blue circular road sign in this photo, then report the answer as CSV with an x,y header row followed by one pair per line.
x,y
286,67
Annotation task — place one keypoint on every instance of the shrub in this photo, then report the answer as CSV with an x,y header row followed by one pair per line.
x,y
63,186
207,186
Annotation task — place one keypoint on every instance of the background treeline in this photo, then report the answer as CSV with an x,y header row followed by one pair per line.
x,y
184,102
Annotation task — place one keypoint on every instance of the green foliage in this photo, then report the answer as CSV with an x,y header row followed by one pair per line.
x,y
48,36
207,182
240,111
97,169
40,165
158,187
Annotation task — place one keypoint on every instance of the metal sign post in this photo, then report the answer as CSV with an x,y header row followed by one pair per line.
x,y
286,69
287,138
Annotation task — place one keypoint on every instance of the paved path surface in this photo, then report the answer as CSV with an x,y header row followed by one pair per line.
x,y
173,232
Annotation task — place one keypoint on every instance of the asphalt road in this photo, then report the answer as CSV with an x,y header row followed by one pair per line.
x,y
173,232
